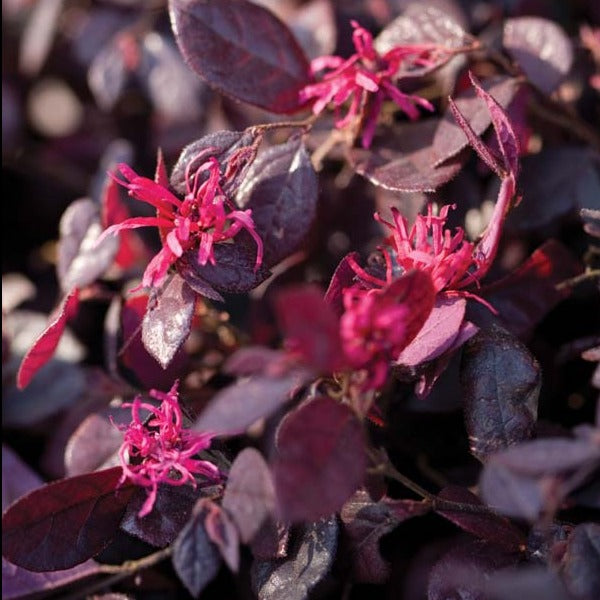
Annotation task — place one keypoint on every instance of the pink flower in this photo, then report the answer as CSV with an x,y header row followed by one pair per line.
x,y
203,218
161,450
366,73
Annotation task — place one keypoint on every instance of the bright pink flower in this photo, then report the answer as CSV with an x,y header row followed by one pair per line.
x,y
161,450
203,218
364,74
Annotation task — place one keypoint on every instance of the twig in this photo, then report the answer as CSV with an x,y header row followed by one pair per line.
x,y
574,281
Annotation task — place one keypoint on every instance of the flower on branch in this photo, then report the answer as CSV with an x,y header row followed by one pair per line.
x,y
205,217
366,79
160,450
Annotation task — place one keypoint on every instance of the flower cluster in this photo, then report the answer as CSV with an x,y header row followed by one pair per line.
x,y
161,450
202,219
366,80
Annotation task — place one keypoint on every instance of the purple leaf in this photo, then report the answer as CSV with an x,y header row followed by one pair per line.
x,y
254,360
223,533
490,527
218,39
80,261
320,461
172,510
541,48
310,558
197,284
524,297
449,138
17,478
93,444
438,334
232,410
195,558
365,523
281,189
45,345
250,494
402,160
168,320
581,563
501,383
342,277
66,522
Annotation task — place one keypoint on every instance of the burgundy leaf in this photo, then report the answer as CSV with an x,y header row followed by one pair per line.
x,y
172,510
93,443
449,137
581,563
195,558
541,48
342,277
197,284
45,345
490,527
218,39
438,334
235,408
222,532
524,297
250,493
80,261
365,523
254,360
403,160
168,320
321,459
310,327
271,541
281,189
553,183
501,383
309,560
66,522
420,24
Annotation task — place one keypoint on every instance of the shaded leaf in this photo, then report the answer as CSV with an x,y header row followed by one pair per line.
x,y
172,510
501,383
223,533
309,560
66,522
449,138
403,160
168,320
320,461
232,410
80,261
17,477
541,48
490,527
253,360
218,38
581,563
195,558
342,277
250,493
43,348
197,284
281,190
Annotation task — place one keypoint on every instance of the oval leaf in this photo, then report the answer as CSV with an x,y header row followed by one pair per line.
x,y
218,39
66,522
281,189
321,460
501,383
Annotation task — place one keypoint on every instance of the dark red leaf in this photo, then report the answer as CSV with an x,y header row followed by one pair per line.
x,y
66,522
524,297
490,527
541,48
309,559
45,345
403,160
581,563
218,39
80,261
501,383
281,189
250,493
223,533
321,459
342,277
235,408
310,327
171,511
449,138
195,558
168,320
